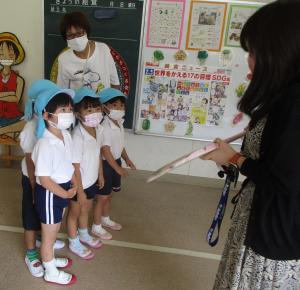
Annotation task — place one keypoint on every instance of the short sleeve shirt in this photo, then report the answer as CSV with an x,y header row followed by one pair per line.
x,y
87,152
113,136
53,157
27,141
97,72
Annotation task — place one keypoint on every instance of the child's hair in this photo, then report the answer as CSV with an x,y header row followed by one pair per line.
x,y
87,102
271,35
122,99
59,100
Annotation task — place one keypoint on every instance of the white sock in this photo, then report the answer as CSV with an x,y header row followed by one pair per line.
x,y
50,268
105,219
97,227
84,234
75,241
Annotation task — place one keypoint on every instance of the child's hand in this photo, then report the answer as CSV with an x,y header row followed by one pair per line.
x,y
101,181
221,155
71,192
130,164
122,171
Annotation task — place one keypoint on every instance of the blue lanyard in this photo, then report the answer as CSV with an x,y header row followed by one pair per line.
x,y
231,176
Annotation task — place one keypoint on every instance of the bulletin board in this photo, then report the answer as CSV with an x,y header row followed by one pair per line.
x,y
192,70
117,23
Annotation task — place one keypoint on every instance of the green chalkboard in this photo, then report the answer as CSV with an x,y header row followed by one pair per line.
x,y
115,22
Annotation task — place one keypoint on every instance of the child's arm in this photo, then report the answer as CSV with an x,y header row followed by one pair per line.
x,y
101,180
112,162
78,181
128,162
52,186
30,169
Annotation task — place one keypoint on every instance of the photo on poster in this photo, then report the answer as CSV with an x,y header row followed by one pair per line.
x,y
237,17
206,25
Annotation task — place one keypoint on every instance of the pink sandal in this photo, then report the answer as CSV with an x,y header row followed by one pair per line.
x,y
93,243
87,254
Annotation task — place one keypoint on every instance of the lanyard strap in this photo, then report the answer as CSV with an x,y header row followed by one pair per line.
x,y
231,176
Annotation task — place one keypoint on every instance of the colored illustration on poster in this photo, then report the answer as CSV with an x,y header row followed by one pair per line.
x,y
11,88
206,25
195,96
165,23
238,15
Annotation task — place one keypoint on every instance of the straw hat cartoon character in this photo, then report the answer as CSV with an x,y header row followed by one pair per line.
x,y
11,85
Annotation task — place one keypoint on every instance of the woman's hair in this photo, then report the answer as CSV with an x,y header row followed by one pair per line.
x,y
59,100
11,44
122,99
272,36
87,102
76,19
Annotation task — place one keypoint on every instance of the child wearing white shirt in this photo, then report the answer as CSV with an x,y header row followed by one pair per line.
x,y
30,219
52,158
87,161
112,150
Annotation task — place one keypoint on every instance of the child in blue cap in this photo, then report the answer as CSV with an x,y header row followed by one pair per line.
x,y
52,158
113,150
87,161
30,219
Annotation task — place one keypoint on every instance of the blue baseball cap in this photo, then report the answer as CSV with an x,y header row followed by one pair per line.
x,y
41,102
110,93
34,90
84,92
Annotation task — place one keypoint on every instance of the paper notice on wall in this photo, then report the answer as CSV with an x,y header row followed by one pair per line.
x,y
165,23
206,25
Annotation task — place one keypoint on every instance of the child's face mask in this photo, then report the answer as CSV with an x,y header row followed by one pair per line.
x,y
92,120
64,120
116,115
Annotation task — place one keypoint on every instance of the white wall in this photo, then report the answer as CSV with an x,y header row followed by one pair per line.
x,y
25,19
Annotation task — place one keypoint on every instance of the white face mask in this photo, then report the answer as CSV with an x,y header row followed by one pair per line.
x,y
64,120
6,62
92,120
78,43
116,115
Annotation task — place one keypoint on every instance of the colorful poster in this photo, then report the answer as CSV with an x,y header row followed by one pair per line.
x,y
165,23
238,15
183,94
206,25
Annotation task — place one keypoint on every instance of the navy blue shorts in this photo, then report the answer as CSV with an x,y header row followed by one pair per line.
x,y
49,206
111,177
90,192
30,218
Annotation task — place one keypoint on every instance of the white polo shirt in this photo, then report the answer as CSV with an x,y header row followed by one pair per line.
x,y
113,136
86,151
52,157
27,141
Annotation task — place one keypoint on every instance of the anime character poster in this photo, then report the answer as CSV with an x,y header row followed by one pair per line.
x,y
11,87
